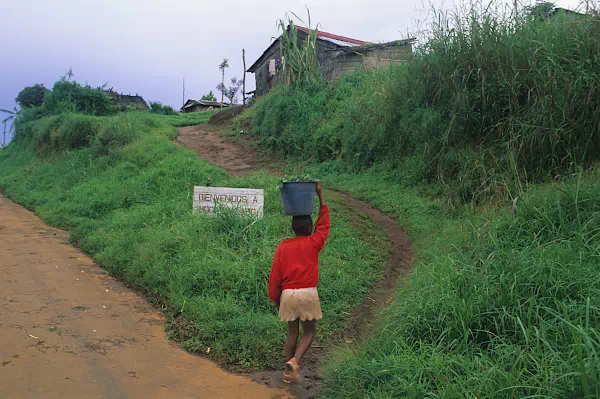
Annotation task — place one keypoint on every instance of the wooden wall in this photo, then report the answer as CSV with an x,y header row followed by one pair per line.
x,y
334,62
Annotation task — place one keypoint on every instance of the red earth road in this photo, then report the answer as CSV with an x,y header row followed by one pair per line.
x,y
68,330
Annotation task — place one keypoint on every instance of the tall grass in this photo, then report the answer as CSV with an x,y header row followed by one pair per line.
x,y
486,105
300,65
499,305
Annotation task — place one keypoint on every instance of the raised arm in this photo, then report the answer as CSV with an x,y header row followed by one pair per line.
x,y
323,222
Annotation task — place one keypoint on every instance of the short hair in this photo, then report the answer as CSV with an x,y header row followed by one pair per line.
x,y
302,225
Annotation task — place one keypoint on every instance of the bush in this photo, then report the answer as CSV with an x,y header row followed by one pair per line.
x,y
156,107
70,96
121,130
31,96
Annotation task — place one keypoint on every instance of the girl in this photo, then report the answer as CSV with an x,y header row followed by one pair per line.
x,y
293,284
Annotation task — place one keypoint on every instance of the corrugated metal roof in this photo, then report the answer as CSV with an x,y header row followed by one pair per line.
x,y
338,40
206,103
333,38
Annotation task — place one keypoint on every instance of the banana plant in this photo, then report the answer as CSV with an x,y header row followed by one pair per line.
x,y
299,63
12,116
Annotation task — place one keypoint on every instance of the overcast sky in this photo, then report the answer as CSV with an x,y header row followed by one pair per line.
x,y
149,46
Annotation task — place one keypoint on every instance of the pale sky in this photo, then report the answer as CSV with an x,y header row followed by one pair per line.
x,y
149,46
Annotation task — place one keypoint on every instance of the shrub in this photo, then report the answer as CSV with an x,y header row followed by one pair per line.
x,y
70,96
31,96
156,107
118,131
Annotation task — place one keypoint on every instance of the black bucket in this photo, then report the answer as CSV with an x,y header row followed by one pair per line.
x,y
298,197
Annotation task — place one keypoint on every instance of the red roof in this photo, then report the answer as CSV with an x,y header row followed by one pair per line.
x,y
327,35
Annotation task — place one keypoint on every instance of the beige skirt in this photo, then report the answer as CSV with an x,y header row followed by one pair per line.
x,y
301,303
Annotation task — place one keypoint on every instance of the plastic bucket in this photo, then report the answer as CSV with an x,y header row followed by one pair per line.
x,y
298,197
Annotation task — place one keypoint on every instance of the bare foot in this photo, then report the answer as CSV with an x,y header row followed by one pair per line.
x,y
293,370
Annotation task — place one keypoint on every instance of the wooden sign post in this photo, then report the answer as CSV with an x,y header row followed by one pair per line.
x,y
248,200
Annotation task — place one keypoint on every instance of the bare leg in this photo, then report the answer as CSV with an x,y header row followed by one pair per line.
x,y
292,339
309,330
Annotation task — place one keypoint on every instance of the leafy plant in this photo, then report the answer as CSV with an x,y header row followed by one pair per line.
x,y
209,97
12,116
70,96
156,107
31,96
231,91
221,87
300,64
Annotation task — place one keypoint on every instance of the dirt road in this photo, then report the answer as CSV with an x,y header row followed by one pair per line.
x,y
68,330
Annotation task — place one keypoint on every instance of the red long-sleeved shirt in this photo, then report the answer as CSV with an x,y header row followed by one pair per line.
x,y
296,261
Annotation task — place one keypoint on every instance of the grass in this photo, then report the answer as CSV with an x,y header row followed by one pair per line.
x,y
188,119
499,305
126,198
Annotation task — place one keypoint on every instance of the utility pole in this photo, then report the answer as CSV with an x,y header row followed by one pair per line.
x,y
244,79
183,97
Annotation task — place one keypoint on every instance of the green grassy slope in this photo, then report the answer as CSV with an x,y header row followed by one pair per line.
x,y
499,305
127,200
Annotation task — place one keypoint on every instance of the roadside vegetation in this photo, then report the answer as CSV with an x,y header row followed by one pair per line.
x,y
484,146
123,189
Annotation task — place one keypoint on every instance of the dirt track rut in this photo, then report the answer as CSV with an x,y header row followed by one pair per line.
x,y
239,159
68,330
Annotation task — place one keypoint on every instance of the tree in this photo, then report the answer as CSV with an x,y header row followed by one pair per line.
x,y
156,107
31,96
222,66
541,9
231,91
209,97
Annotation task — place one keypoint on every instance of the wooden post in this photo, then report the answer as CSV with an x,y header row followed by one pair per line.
x,y
222,84
244,79
183,97
4,136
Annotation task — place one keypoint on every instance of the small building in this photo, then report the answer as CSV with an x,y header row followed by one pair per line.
x,y
337,56
127,100
564,11
201,105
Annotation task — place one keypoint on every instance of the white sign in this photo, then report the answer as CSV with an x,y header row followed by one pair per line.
x,y
250,200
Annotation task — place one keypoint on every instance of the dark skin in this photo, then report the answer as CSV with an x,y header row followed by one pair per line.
x,y
293,349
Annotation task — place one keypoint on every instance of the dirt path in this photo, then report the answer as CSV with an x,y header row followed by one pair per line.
x,y
238,159
68,330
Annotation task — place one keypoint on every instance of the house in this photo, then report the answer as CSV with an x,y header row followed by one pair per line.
x,y
201,105
126,100
337,55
